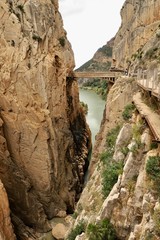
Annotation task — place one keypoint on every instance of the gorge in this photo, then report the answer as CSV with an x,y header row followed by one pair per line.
x,y
45,140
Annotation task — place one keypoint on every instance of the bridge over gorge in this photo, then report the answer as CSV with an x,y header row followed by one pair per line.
x,y
110,76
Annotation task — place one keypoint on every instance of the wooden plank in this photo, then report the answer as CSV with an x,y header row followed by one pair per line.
x,y
152,118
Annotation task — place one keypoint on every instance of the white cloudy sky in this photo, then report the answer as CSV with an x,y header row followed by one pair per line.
x,y
90,24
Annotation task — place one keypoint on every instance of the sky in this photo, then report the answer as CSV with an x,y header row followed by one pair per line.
x,y
89,25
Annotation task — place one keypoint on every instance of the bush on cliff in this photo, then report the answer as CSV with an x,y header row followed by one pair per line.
x,y
153,171
80,228
128,110
103,230
111,169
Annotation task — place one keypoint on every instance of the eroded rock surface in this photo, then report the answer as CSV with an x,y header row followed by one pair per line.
x,y
6,230
43,134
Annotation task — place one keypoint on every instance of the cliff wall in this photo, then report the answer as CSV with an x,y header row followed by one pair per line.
x,y
121,198
44,139
140,21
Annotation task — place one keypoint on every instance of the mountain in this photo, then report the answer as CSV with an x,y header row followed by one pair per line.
x,y
101,60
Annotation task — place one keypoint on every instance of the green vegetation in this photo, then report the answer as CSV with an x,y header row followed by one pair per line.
x,y
154,145
84,107
150,236
153,171
153,168
93,65
97,85
21,8
138,55
156,219
128,111
103,230
36,38
80,227
62,41
106,50
111,169
151,53
75,215
137,131
112,136
110,176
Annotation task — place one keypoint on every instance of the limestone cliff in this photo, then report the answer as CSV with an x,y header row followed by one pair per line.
x,y
140,21
44,139
121,198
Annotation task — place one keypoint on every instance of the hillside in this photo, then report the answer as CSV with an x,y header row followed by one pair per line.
x,y
101,60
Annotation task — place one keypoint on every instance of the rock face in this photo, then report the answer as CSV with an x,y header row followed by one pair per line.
x,y
140,21
44,139
6,230
132,201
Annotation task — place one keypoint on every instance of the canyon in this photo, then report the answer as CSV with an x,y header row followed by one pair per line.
x,y
45,140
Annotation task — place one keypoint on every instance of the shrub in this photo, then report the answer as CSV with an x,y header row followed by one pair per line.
x,y
151,53
110,176
84,107
153,171
111,169
128,111
80,228
153,168
112,136
137,131
154,145
21,8
156,219
75,215
103,230
106,157
62,41
36,38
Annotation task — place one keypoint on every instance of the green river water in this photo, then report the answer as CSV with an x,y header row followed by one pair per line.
x,y
95,110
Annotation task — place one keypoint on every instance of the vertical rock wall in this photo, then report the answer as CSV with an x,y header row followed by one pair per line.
x,y
43,134
6,231
140,21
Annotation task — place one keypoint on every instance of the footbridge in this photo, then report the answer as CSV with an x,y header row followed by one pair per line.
x,y
110,76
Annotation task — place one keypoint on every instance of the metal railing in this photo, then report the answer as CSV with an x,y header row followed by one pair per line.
x,y
149,80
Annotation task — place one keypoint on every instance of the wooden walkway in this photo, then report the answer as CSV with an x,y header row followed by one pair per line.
x,y
152,118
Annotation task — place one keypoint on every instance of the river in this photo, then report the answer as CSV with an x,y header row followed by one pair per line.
x,y
95,110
